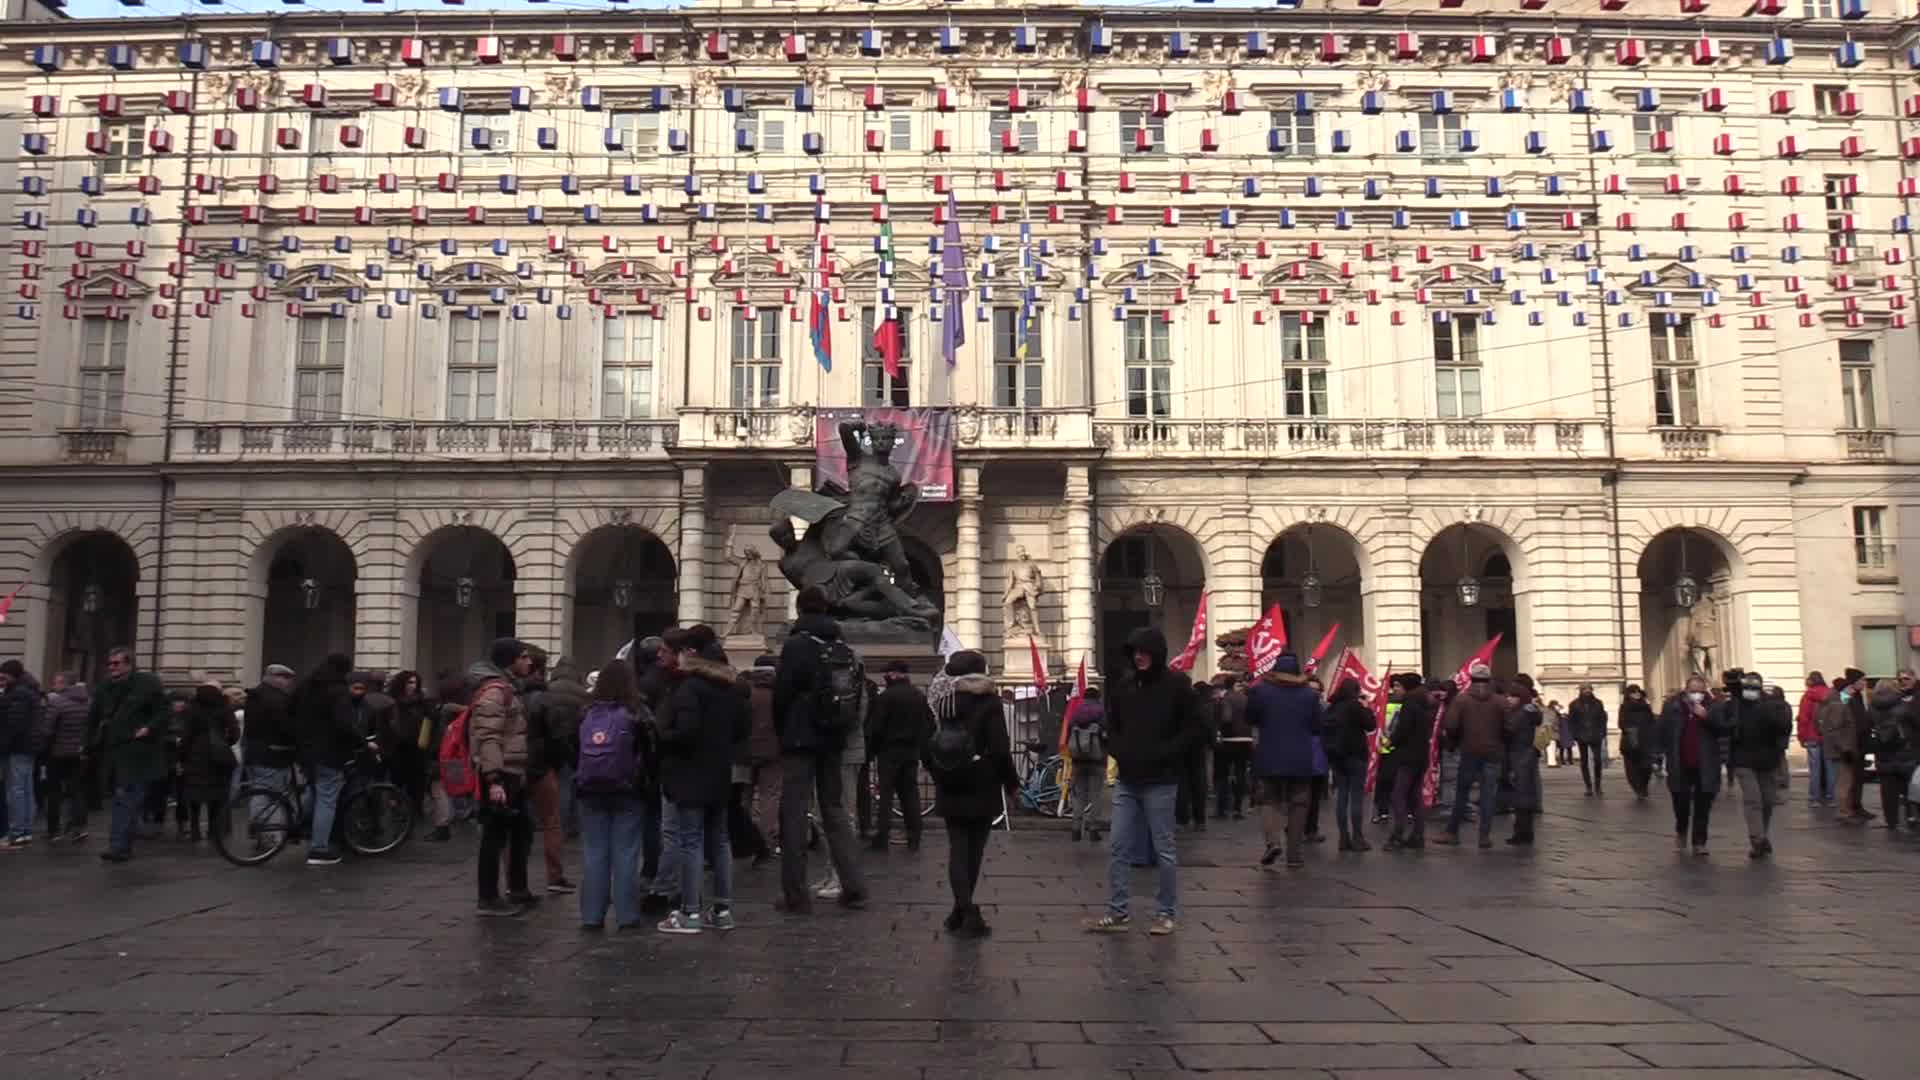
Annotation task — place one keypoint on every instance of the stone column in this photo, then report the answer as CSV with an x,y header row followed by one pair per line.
x,y
1391,594
693,544
538,579
1081,602
1233,590
966,556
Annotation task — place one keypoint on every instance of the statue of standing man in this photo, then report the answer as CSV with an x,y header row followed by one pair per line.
x,y
1020,604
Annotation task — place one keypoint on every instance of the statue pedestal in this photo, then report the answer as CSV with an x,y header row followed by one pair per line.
x,y
744,649
1016,663
879,644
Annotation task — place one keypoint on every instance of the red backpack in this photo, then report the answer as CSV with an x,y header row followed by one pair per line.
x,y
457,775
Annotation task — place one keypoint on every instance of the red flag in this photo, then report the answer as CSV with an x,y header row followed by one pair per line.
x,y
6,605
1195,639
1073,704
1379,732
1320,650
1266,642
1039,669
1430,787
886,342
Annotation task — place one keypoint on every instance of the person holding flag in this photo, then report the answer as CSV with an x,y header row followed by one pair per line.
x,y
1410,739
1350,719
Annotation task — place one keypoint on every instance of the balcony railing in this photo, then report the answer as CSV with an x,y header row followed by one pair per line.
x,y
1867,445
93,445
336,440
1686,442
1875,562
1349,438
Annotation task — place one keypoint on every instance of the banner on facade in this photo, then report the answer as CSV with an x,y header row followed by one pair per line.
x,y
924,453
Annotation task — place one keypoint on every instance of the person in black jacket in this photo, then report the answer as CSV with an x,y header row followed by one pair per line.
x,y
206,758
705,716
898,726
270,743
1587,716
810,758
1637,725
970,794
323,715
1349,720
1758,742
1152,725
1410,737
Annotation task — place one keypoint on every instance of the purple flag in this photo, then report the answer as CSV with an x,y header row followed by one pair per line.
x,y
953,278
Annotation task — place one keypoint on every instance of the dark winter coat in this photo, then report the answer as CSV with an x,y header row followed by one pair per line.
x,y
1713,747
1758,733
763,743
1587,716
899,720
1898,728
553,720
1411,734
1523,761
1478,718
20,709
800,672
270,739
409,716
206,750
973,793
533,694
324,719
1090,714
707,713
68,711
1287,714
1348,722
1233,713
120,709
1152,717
1637,727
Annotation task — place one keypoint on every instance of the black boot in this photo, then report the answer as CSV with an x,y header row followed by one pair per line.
x,y
955,918
973,924
440,834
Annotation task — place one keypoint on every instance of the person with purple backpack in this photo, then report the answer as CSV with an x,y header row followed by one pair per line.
x,y
609,785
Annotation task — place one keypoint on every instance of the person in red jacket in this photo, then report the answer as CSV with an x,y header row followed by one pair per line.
x,y
1807,729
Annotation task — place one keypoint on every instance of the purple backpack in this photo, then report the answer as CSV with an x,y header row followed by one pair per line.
x,y
609,756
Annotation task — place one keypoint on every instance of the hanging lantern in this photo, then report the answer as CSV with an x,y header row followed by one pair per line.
x,y
463,592
1686,591
623,593
1310,585
90,599
1153,589
1469,590
310,593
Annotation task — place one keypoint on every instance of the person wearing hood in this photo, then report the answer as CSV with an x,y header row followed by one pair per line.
x,y
21,710
325,714
67,758
206,757
1477,719
497,731
707,714
1693,735
1348,722
1287,717
1806,725
1636,740
898,727
552,728
971,761
1406,753
1587,716
809,719
1152,725
763,758
1758,736
1087,748
1523,722
1896,739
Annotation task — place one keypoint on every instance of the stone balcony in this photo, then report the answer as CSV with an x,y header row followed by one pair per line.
x,y
1323,438
347,440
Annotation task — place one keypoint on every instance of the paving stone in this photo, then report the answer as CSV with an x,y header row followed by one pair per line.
x,y
1091,1056
1533,1056
1684,1074
1424,1034
1620,1034
1749,1055
1306,1056
1175,1034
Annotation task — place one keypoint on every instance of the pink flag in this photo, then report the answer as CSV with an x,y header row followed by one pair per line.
x,y
1430,787
1320,650
1073,704
1379,732
1039,669
1184,662
1266,642
6,604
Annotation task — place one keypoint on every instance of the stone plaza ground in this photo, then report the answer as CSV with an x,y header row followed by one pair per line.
x,y
1602,955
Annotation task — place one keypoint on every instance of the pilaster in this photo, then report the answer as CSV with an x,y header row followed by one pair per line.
x,y
1081,602
966,557
693,544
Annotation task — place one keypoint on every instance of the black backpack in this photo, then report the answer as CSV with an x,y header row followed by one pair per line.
x,y
954,745
840,693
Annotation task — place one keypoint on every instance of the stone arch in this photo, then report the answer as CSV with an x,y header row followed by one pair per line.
x,y
1483,546
620,583
43,599
1710,633
437,630
1134,548
1319,574
1720,526
302,596
92,602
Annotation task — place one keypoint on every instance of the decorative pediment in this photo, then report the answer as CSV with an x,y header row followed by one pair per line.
x,y
618,273
1146,273
321,276
1673,277
1312,274
109,285
1456,276
866,275
474,274
760,270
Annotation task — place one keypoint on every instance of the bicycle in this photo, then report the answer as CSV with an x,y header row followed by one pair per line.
x,y
375,816
1040,790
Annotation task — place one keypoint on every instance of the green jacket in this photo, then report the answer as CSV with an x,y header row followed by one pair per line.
x,y
122,707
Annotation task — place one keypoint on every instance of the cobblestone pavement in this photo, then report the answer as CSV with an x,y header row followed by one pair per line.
x,y
1601,955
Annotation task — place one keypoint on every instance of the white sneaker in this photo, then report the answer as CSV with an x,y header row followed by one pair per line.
x,y
827,890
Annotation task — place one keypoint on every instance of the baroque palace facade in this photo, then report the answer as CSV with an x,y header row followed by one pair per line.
x,y
391,333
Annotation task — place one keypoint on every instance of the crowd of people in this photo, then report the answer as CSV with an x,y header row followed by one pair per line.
x,y
667,762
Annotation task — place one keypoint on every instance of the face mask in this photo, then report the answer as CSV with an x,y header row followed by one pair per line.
x,y
1846,696
1696,696
1750,695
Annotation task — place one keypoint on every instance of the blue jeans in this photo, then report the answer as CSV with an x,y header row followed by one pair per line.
x,y
325,796
666,875
704,829
1143,821
20,796
1485,770
1819,775
610,832
128,799
280,780
1350,797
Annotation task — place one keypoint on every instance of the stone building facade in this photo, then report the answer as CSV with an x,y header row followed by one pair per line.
x,y
437,327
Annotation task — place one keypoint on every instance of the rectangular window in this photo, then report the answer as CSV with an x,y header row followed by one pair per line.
x,y
877,390
1292,133
497,125
1877,649
1440,134
1823,9
1017,381
319,367
1869,537
639,134
900,131
1001,120
1676,378
1839,204
626,367
1149,356
763,133
473,366
1645,126
1856,384
103,370
126,147
1303,363
1456,364
756,359
1826,99
1133,122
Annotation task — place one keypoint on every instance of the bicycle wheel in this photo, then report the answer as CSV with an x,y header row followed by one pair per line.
x,y
376,819
1044,786
255,825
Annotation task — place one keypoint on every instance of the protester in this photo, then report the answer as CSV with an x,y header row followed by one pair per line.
x,y
497,731
1348,721
1758,737
1820,767
1841,742
553,722
1383,764
67,762
654,665
1190,800
1587,717
1477,719
450,695
1409,746
1152,725
1317,792
706,713
763,755
816,675
1522,726
206,758
1896,740
409,733
566,701
1087,750
609,784
128,715
1637,729
1232,749
971,761
324,718
898,727
1288,718
22,712
1560,732
1692,734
